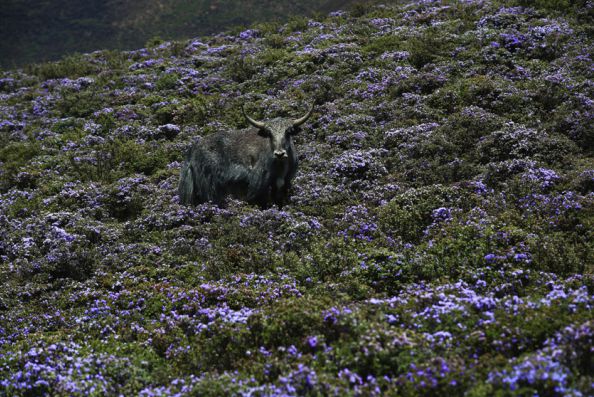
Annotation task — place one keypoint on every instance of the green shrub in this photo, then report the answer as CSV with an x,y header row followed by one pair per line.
x,y
515,141
76,260
25,206
563,253
237,249
145,158
378,45
380,270
72,66
436,161
297,23
466,127
427,48
14,157
221,348
571,119
241,69
360,8
408,214
272,55
124,210
458,250
328,259
556,5
154,42
286,321
192,110
267,28
215,385
116,159
479,90
167,81
107,121
80,104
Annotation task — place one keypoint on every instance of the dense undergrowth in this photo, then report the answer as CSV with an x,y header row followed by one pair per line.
x,y
439,240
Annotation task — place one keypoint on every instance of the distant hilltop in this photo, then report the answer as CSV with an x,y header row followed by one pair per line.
x,y
37,30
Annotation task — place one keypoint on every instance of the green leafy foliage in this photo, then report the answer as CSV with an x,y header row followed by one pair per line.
x,y
72,66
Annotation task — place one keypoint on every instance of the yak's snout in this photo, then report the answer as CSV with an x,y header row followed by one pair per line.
x,y
280,154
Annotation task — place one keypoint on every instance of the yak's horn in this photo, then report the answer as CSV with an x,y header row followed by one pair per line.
x,y
303,119
257,124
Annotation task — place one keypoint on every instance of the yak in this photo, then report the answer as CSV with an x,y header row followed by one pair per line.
x,y
255,165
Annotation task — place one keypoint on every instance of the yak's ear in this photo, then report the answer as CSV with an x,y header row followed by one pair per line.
x,y
294,130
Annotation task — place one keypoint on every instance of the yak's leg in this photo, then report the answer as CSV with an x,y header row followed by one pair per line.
x,y
186,185
279,192
261,198
286,188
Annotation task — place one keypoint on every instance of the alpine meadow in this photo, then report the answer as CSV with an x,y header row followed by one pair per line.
x,y
437,238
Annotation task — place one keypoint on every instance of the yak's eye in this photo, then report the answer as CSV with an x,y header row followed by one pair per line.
x,y
264,132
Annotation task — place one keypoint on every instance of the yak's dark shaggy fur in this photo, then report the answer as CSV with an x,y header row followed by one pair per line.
x,y
255,165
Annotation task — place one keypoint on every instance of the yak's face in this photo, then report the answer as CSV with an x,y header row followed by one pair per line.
x,y
279,132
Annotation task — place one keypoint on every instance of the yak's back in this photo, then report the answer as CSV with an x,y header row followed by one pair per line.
x,y
223,163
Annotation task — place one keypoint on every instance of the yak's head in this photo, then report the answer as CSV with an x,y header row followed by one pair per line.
x,y
279,131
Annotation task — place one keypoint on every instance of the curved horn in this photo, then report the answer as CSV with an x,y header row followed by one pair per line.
x,y
257,124
303,119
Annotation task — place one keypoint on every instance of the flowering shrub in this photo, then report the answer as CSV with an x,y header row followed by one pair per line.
x,y
437,240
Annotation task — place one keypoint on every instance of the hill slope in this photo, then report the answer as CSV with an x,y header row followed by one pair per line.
x,y
439,239
40,30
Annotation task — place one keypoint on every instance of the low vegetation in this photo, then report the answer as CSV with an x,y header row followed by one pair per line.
x,y
439,239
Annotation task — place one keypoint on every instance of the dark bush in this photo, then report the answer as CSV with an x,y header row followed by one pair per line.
x,y
407,215
72,66
80,104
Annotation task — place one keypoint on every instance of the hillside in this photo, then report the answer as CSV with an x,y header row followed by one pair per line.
x,y
41,30
439,239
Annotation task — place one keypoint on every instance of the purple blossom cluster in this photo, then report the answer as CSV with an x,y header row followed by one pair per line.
x,y
357,164
541,370
62,368
401,136
428,306
542,177
359,223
